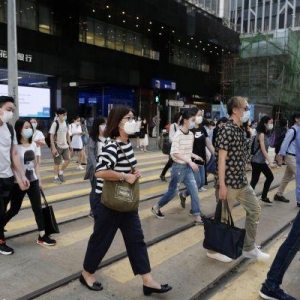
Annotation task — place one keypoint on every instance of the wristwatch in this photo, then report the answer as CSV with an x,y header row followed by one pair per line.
x,y
123,177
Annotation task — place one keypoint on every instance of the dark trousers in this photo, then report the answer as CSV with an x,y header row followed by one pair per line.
x,y
94,197
167,166
107,222
34,196
256,170
6,185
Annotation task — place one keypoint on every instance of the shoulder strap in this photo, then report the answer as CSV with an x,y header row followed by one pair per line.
x,y
11,130
175,127
132,168
294,136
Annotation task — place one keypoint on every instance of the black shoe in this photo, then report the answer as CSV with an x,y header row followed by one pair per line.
x,y
4,249
97,286
266,200
298,204
61,178
163,178
182,199
91,215
158,214
148,290
281,198
265,293
46,240
191,213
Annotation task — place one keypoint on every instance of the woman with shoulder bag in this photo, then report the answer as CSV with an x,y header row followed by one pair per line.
x,y
95,144
260,156
115,165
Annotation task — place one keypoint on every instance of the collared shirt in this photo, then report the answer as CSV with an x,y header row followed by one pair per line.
x,y
288,144
232,139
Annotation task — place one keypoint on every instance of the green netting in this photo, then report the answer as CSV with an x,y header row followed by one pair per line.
x,y
267,69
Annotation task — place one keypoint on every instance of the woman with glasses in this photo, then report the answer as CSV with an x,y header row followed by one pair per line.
x,y
261,161
114,166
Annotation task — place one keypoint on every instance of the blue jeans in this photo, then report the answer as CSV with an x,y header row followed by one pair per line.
x,y
182,173
200,179
284,257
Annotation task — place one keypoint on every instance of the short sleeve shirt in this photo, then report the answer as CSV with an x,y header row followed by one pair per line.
x,y
5,151
37,136
200,142
76,139
61,138
232,139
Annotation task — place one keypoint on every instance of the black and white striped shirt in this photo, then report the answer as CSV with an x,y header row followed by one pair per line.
x,y
112,158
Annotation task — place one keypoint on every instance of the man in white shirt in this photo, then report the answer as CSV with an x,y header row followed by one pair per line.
x,y
10,164
60,144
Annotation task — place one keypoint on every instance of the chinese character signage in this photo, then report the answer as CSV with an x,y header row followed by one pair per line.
x,y
21,56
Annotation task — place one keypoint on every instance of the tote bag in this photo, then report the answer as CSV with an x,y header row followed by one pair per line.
x,y
120,195
221,237
51,225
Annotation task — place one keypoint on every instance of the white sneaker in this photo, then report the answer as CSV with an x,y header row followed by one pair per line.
x,y
256,253
80,168
219,257
203,189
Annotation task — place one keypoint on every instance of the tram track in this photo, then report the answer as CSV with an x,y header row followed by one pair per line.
x,y
68,279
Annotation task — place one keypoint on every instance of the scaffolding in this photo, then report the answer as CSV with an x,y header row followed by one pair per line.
x,y
266,70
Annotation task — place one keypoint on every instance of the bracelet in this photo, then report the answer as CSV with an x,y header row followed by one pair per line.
x,y
123,177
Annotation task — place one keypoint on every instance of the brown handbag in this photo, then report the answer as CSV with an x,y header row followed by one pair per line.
x,y
121,195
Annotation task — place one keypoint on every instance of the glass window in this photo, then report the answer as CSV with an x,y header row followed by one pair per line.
x,y
27,14
99,34
90,32
45,21
110,37
137,44
119,39
129,43
3,10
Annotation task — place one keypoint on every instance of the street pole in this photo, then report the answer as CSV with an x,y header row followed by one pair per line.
x,y
157,126
12,58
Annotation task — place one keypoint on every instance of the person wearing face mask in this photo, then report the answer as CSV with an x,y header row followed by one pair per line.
x,y
95,144
75,131
201,141
288,152
173,128
112,166
27,155
10,165
260,159
183,167
231,181
138,127
60,145
38,138
144,140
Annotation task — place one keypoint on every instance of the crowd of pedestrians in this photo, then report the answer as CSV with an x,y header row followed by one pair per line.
x,y
110,157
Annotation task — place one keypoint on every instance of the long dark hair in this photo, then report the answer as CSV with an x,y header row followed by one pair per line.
x,y
185,115
18,128
115,117
94,130
261,128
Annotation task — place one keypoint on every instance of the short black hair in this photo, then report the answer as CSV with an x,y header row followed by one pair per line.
x,y
296,115
60,111
4,99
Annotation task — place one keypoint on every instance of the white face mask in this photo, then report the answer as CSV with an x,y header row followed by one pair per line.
x,y
192,125
34,125
102,127
7,116
199,119
270,126
130,127
245,117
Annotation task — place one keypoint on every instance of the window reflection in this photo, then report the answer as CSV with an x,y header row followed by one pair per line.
x,y
105,35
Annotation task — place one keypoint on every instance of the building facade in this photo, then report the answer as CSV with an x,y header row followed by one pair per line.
x,y
93,54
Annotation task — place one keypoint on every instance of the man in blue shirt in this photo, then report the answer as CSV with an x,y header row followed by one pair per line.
x,y
287,251
288,151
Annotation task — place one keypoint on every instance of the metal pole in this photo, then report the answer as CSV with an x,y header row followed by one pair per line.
x,y
157,126
12,58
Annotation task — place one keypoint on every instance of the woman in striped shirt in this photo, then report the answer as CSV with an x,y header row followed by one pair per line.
x,y
114,166
183,167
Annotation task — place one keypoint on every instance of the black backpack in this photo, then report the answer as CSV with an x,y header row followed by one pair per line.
x,y
11,130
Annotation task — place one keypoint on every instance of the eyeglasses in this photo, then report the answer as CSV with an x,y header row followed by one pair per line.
x,y
245,108
130,119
